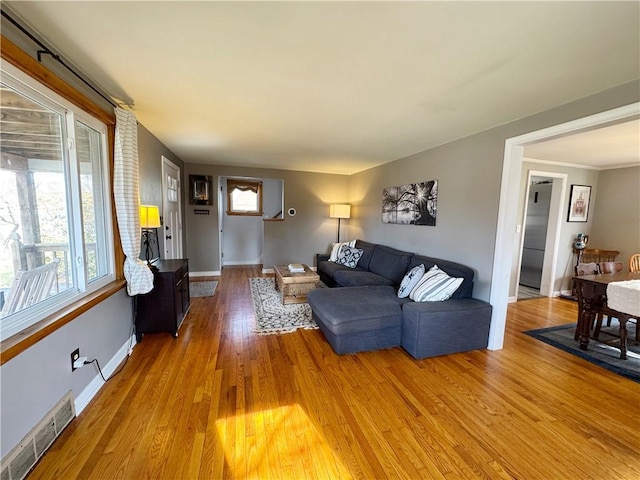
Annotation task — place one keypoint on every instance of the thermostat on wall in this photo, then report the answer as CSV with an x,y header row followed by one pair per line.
x,y
292,212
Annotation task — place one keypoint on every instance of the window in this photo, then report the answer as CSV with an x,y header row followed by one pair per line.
x,y
54,201
244,197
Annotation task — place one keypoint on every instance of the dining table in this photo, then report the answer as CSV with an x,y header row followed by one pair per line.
x,y
592,290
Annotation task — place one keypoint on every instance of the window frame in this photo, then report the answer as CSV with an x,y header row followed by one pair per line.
x,y
242,184
14,345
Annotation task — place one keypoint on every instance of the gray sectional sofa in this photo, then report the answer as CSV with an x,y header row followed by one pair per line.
x,y
365,313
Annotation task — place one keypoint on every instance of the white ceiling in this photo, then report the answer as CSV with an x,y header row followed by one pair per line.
x,y
338,87
614,146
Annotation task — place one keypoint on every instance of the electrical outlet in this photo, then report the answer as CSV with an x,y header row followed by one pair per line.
x,y
75,355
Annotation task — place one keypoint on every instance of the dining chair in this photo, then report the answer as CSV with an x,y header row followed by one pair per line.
x,y
634,262
608,267
596,255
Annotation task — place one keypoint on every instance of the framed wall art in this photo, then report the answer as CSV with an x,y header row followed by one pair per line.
x,y
579,203
411,204
200,190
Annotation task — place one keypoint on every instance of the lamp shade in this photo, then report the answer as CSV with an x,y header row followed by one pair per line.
x,y
339,211
149,216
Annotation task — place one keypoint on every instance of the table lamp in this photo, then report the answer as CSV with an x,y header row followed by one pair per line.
x,y
149,222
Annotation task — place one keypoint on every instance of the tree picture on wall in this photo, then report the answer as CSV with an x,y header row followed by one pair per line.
x,y
411,204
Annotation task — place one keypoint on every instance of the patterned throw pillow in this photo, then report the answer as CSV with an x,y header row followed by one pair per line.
x,y
435,286
410,280
349,256
336,248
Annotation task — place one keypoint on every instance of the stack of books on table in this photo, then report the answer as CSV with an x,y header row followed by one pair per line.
x,y
296,268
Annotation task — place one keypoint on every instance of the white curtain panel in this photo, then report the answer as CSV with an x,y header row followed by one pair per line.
x,y
127,197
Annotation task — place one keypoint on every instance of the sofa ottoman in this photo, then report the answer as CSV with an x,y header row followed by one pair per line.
x,y
430,329
356,319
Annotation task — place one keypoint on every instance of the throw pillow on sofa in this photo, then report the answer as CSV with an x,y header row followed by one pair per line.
x,y
349,256
336,248
410,281
435,286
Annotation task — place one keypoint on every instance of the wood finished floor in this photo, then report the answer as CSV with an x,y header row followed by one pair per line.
x,y
220,402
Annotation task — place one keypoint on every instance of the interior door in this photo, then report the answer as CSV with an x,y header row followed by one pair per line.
x,y
171,209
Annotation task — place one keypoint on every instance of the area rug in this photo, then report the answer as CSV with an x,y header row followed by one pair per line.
x,y
602,352
272,317
202,289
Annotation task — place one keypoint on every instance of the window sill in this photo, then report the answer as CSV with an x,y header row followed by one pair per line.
x,y
20,342
273,219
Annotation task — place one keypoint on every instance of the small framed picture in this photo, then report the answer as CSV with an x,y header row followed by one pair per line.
x,y
200,190
579,203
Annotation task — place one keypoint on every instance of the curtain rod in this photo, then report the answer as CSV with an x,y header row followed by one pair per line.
x,y
47,51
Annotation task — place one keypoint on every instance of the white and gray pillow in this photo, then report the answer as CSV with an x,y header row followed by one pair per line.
x,y
349,256
435,286
410,280
336,248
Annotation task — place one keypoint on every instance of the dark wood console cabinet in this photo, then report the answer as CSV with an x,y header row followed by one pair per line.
x,y
163,309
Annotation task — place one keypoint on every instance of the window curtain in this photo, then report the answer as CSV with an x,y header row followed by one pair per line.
x,y
127,198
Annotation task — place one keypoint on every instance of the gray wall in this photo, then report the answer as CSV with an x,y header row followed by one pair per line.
x,y
568,230
296,239
33,382
150,152
616,213
469,175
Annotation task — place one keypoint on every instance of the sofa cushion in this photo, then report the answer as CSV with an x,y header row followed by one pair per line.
x,y
439,328
358,278
348,256
390,263
410,280
356,309
367,252
435,286
330,268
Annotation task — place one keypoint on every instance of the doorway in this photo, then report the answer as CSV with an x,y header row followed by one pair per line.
x,y
541,226
507,209
242,234
171,210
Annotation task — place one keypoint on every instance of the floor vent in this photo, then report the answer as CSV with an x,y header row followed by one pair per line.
x,y
22,458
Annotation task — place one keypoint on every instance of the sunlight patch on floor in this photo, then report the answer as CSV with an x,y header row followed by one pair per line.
x,y
278,443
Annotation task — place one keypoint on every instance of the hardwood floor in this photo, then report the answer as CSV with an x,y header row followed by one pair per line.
x,y
221,402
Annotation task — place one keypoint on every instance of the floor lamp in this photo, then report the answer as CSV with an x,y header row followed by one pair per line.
x,y
339,211
149,221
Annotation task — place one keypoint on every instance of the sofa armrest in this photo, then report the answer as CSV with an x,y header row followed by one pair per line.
x,y
321,257
439,328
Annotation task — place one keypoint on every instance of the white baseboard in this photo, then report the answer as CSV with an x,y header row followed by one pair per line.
x,y
215,273
90,391
512,300
235,263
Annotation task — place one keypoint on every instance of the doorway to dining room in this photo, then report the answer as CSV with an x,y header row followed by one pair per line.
x,y
541,227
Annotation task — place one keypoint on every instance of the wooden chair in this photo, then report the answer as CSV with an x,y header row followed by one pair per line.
x,y
597,255
634,262
608,267
30,287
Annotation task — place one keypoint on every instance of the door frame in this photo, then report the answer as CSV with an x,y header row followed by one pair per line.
x,y
554,225
166,161
507,207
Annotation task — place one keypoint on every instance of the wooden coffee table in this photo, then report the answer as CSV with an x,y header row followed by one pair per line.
x,y
294,286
